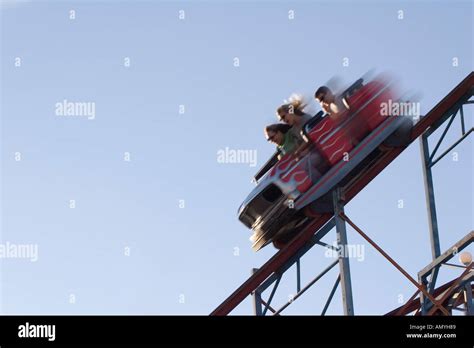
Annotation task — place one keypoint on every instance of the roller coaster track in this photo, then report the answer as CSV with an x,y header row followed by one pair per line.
x,y
316,228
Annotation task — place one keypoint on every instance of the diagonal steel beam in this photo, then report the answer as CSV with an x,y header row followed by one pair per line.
x,y
394,263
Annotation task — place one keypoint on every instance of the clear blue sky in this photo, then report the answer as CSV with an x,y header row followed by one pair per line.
x,y
120,204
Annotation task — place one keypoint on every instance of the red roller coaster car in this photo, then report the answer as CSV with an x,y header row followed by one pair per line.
x,y
293,189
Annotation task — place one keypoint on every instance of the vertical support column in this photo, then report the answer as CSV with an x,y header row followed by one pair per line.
x,y
298,275
257,299
345,272
423,303
432,218
468,298
463,126
430,199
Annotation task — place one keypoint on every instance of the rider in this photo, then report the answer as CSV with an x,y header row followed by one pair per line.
x,y
292,114
279,134
330,103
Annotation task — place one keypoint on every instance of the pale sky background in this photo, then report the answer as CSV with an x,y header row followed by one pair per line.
x,y
119,204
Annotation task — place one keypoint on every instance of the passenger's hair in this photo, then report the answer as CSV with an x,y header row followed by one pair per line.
x,y
295,106
278,127
321,90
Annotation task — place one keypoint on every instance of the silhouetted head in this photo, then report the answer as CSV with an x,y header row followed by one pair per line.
x,y
292,111
275,133
325,97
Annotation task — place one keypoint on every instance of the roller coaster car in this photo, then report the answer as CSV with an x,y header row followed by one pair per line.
x,y
295,188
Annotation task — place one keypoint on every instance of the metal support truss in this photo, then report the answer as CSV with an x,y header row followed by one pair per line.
x,y
428,161
261,307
